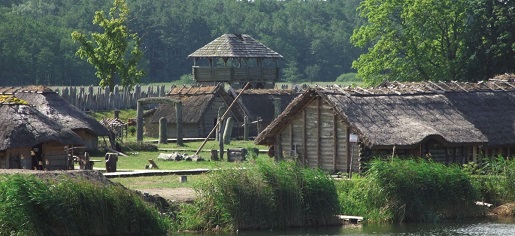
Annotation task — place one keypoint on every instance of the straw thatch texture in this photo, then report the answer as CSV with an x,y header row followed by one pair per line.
x,y
57,108
491,112
388,117
235,46
405,120
24,126
196,100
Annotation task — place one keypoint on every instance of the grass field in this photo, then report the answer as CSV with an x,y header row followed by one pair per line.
x,y
138,159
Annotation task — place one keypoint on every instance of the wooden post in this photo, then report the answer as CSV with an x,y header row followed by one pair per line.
x,y
277,107
163,139
218,123
139,122
258,124
319,132
178,117
304,137
246,128
221,111
335,140
228,131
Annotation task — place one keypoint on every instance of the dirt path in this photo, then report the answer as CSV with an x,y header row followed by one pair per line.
x,y
172,194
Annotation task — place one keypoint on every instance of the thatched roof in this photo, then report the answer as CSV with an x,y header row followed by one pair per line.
x,y
235,46
195,102
24,126
57,108
260,102
407,113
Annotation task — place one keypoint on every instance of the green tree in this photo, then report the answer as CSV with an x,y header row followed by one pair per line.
x,y
410,40
115,52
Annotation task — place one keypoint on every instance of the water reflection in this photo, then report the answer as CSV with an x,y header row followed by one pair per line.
x,y
484,227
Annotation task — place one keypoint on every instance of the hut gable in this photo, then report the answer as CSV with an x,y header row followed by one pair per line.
x,y
195,101
235,46
57,108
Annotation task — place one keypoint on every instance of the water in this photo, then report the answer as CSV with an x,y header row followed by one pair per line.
x,y
483,227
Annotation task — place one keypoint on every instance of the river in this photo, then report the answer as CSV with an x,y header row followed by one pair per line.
x,y
483,227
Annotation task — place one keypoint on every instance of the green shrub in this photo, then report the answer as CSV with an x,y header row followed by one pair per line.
x,y
31,206
141,146
420,190
493,178
265,195
409,190
348,77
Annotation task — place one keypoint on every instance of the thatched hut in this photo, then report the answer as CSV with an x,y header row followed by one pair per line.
x,y
58,109
236,59
262,106
200,106
447,122
26,130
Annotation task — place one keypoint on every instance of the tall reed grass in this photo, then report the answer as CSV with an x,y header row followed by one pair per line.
x,y
31,206
412,190
262,196
494,179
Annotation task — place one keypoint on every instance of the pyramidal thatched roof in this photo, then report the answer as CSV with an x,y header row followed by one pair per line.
x,y
24,126
407,113
235,46
57,108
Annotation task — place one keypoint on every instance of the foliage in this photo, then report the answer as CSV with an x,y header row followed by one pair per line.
x,y
493,178
108,52
412,39
410,190
269,195
36,47
31,206
348,77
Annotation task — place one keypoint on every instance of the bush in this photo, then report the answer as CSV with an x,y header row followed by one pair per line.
x,y
348,77
140,146
493,178
267,196
420,190
31,206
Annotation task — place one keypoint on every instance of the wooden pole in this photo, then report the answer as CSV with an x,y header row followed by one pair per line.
x,y
223,117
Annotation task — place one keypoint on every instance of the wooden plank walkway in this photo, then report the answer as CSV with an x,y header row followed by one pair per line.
x,y
350,219
137,173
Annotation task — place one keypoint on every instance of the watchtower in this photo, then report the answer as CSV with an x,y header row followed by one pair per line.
x,y
236,59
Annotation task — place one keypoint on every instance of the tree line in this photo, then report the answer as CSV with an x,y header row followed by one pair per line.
x,y
464,40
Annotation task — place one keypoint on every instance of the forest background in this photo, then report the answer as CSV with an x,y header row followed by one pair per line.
x,y
313,36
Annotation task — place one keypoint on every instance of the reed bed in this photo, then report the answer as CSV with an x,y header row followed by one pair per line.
x,y
261,196
62,206
414,190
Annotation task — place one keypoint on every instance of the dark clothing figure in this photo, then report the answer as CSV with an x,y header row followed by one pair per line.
x,y
34,160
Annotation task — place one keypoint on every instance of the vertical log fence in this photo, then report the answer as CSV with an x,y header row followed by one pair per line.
x,y
98,99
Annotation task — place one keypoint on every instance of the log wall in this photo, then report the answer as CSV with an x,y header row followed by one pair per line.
x,y
318,138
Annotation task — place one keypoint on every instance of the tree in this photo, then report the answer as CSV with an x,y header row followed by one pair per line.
x,y
490,39
109,53
412,39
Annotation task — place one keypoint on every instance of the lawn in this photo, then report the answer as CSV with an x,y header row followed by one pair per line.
x,y
139,159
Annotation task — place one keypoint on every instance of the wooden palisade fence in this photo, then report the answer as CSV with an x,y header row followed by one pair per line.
x,y
98,99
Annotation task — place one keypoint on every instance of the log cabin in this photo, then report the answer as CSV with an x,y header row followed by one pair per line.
x,y
339,129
